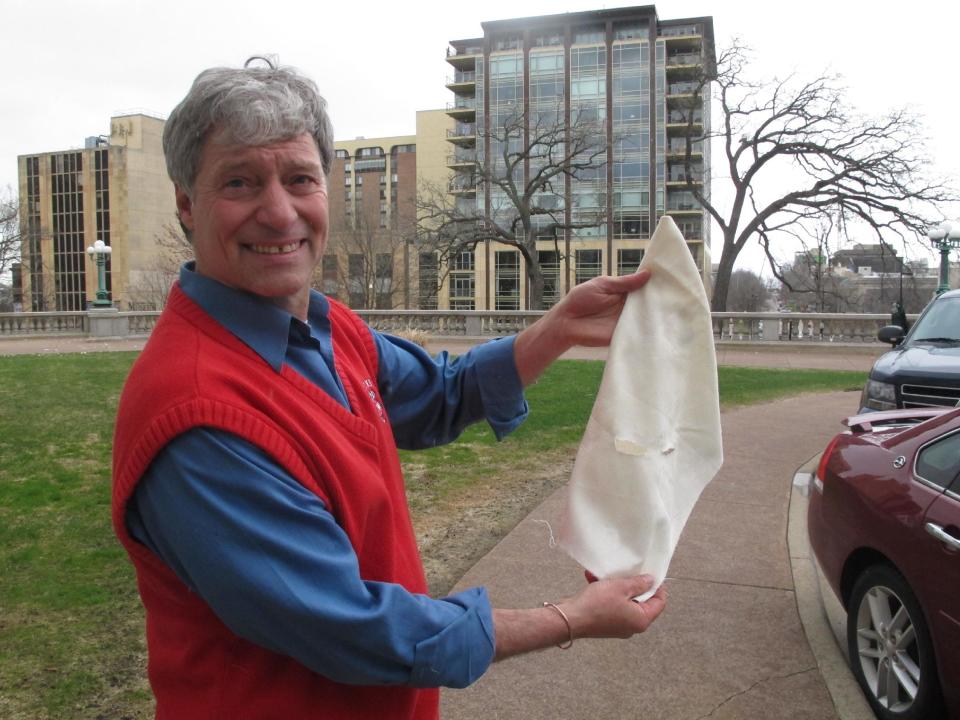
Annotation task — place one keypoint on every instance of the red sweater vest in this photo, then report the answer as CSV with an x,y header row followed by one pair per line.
x,y
193,372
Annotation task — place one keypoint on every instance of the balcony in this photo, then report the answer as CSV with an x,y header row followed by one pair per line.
x,y
682,89
463,82
677,149
463,108
682,37
461,160
673,32
465,57
463,134
678,122
679,179
683,207
462,185
684,64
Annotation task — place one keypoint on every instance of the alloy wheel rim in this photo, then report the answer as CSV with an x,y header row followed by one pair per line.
x,y
887,649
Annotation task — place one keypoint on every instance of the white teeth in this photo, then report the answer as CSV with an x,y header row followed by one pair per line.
x,y
274,249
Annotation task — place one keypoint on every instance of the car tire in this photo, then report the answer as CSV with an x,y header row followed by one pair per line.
x,y
890,649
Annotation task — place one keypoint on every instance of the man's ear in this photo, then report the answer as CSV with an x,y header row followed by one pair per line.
x,y
184,209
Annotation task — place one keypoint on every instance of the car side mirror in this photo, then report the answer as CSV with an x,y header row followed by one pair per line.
x,y
892,334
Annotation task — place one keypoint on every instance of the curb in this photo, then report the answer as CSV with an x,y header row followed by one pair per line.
x,y
821,614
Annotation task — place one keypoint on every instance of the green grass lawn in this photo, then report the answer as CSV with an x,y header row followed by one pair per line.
x,y
71,626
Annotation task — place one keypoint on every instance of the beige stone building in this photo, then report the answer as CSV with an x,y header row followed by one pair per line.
x,y
114,189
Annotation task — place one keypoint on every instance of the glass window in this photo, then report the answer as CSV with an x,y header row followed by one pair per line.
x,y
942,320
429,277
462,282
588,265
589,34
507,264
550,267
628,260
630,30
632,226
331,275
633,54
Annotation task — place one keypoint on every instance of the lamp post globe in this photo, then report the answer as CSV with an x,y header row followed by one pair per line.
x,y
99,252
945,237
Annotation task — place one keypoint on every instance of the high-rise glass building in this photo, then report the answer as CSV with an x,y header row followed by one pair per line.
x,y
623,73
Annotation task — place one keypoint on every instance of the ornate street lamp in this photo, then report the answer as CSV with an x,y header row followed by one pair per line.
x,y
945,237
99,252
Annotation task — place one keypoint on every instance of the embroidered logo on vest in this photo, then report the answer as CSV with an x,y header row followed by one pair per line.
x,y
372,394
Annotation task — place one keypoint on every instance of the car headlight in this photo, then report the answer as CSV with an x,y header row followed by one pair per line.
x,y
879,396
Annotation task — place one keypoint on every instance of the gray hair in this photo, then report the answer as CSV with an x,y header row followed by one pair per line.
x,y
248,106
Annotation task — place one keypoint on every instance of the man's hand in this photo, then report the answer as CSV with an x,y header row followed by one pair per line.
x,y
585,316
603,609
606,608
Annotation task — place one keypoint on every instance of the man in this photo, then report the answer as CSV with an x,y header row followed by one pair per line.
x,y
256,482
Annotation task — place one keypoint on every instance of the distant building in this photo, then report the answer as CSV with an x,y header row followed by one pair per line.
x,y
630,71
372,222
869,259
866,278
114,189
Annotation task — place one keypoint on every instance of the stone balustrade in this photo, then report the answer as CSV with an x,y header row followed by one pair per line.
x,y
43,323
727,326
809,327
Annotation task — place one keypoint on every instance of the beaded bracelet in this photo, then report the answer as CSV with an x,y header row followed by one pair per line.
x,y
569,642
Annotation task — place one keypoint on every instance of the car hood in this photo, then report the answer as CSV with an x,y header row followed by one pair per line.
x,y
919,361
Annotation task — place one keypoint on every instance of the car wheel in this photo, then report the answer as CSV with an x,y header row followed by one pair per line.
x,y
890,649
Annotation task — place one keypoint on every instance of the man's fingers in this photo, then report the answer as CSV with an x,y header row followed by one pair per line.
x,y
655,604
629,283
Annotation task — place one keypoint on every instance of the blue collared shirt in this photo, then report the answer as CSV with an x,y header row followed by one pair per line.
x,y
267,555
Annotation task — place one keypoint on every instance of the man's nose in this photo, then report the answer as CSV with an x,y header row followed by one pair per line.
x,y
276,208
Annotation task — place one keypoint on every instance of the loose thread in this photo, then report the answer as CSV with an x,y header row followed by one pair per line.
x,y
553,540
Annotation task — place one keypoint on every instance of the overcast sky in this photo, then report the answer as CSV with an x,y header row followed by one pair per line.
x,y
68,65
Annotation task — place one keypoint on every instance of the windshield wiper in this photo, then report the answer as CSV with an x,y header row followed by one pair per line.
x,y
938,339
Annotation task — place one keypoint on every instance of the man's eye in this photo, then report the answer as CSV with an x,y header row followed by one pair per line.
x,y
235,183
302,179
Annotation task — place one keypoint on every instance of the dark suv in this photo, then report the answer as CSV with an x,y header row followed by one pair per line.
x,y
923,369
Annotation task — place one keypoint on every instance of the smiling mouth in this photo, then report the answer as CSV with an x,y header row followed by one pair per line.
x,y
276,249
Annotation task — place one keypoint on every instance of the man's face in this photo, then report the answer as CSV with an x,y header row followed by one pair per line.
x,y
258,218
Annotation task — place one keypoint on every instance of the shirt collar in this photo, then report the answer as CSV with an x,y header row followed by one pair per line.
x,y
261,325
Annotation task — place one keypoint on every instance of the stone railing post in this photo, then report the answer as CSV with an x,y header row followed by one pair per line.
x,y
107,322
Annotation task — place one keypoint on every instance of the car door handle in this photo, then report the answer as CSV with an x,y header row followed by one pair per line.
x,y
942,535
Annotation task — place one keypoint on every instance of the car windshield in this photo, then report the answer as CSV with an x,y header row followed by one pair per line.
x,y
941,323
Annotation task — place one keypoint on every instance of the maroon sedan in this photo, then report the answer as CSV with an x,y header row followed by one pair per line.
x,y
884,525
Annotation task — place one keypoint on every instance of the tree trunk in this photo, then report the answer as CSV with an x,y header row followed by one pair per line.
x,y
535,283
721,285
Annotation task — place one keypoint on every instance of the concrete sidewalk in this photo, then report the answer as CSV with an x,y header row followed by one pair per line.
x,y
730,644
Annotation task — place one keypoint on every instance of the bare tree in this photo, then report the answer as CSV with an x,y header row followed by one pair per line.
x,y
150,287
794,151
369,262
10,238
809,282
748,293
531,157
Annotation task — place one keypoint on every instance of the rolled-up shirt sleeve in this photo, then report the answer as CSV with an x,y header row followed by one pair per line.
x,y
270,560
431,399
